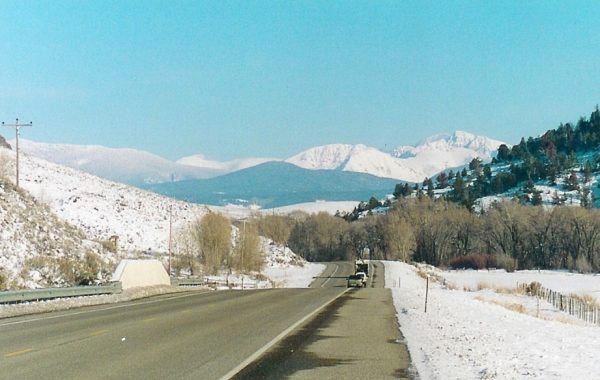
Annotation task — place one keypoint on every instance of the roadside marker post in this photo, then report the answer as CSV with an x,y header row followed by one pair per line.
x,y
426,293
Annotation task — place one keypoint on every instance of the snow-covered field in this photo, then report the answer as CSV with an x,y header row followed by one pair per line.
x,y
560,281
478,335
330,207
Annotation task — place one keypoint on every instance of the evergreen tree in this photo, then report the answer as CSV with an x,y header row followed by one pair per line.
x,y
429,184
503,153
398,190
587,172
536,198
572,182
487,171
442,180
529,187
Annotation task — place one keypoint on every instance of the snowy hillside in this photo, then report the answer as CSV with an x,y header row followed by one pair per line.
x,y
61,208
36,247
409,163
103,208
131,166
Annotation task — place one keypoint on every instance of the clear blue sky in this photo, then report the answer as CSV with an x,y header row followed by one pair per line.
x,y
236,79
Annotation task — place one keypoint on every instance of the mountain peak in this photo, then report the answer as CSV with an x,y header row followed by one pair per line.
x,y
408,163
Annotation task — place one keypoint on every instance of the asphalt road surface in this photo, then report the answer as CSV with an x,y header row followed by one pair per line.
x,y
355,337
214,334
189,336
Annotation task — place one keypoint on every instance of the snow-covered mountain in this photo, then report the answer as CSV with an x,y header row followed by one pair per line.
x,y
131,166
485,147
409,163
222,167
355,158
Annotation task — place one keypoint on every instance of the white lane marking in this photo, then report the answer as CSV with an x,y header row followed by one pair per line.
x,y
97,310
276,340
329,278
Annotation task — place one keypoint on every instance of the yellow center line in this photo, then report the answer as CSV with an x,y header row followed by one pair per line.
x,y
17,353
99,332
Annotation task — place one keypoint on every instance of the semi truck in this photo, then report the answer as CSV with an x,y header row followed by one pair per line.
x,y
361,265
361,274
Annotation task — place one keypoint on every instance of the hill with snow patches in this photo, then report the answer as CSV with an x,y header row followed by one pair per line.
x,y
35,243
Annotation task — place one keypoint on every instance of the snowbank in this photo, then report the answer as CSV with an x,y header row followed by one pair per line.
x,y
463,336
286,269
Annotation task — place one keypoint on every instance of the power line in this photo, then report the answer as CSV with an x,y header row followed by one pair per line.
x,y
16,126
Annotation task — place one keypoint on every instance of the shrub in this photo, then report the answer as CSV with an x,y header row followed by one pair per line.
x,y
481,261
470,262
3,280
582,265
534,288
506,262
588,300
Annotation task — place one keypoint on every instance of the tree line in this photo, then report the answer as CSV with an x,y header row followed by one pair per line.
x,y
443,233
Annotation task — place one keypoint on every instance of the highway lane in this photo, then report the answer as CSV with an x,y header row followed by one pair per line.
x,y
355,337
335,275
189,336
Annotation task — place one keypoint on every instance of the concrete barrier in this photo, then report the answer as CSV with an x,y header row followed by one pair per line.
x,y
137,273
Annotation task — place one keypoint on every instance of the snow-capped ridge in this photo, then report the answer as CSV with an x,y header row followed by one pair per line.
x,y
223,167
408,163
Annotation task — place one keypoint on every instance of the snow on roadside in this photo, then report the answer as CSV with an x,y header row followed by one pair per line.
x,y
463,336
286,269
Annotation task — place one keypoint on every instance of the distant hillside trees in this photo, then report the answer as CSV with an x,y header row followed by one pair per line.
x,y
554,152
275,227
552,156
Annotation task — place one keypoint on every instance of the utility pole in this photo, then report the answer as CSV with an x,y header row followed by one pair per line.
x,y
16,126
170,235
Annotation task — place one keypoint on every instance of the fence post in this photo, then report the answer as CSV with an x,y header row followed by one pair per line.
x,y
426,292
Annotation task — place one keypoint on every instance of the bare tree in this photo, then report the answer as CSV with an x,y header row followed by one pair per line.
x,y
247,255
213,235
186,251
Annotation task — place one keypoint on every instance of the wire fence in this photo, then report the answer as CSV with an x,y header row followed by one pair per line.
x,y
584,308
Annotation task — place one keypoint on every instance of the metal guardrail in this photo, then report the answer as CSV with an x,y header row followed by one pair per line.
x,y
187,281
49,293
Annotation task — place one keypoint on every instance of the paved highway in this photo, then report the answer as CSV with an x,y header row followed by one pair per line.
x,y
211,335
190,336
355,337
335,275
